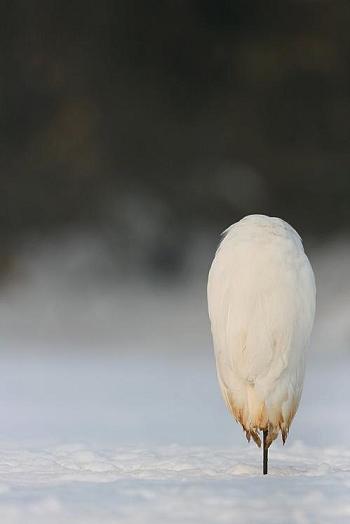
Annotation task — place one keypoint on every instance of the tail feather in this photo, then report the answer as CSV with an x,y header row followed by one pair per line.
x,y
255,420
255,437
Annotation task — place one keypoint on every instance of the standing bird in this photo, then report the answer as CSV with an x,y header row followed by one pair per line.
x,y
261,301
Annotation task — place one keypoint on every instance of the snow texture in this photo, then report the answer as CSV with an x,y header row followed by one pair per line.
x,y
148,440
111,412
173,484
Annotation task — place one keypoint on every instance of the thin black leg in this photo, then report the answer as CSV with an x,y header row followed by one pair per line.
x,y
265,452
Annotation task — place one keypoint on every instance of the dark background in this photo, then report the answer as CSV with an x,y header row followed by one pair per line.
x,y
149,122
132,133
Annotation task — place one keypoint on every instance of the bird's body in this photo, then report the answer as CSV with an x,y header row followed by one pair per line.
x,y
261,299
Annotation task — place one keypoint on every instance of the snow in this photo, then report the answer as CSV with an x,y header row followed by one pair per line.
x,y
138,439
173,484
111,413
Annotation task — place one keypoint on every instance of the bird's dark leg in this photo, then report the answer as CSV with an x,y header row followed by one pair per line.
x,y
265,452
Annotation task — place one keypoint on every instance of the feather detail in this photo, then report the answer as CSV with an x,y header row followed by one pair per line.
x,y
261,299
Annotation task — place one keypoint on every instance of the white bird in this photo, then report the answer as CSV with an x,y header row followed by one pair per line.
x,y
261,301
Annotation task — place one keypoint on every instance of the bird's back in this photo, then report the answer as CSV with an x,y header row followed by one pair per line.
x,y
261,298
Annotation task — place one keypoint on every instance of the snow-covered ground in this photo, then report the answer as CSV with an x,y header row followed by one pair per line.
x,y
146,439
110,409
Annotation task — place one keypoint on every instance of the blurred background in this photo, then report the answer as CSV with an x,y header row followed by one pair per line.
x,y
132,134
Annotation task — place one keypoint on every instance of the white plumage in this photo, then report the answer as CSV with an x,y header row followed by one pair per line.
x,y
261,299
